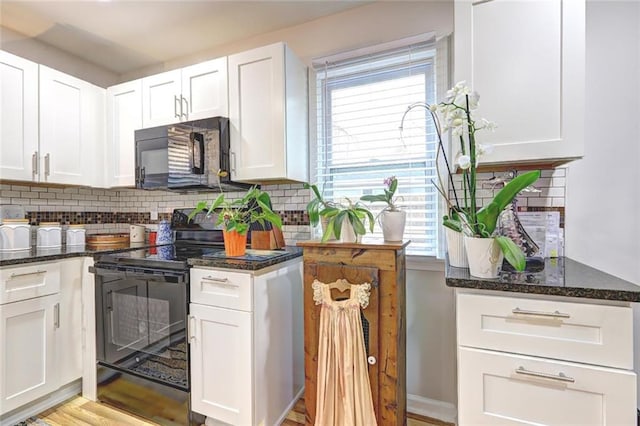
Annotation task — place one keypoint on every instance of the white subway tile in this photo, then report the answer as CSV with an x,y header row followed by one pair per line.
x,y
558,182
557,202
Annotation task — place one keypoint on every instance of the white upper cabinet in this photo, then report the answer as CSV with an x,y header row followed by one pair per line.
x,y
194,92
71,129
204,90
124,116
18,118
268,115
526,59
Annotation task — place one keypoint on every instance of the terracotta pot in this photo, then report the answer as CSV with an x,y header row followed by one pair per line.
x,y
484,256
235,244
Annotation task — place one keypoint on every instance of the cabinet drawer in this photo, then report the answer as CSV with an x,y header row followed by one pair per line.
x,y
593,334
26,282
232,290
505,389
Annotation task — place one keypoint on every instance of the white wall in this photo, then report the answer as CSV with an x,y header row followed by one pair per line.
x,y
603,189
45,54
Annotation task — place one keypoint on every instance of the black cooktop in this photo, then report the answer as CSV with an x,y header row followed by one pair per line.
x,y
173,256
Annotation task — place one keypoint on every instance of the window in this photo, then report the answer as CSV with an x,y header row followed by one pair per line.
x,y
361,102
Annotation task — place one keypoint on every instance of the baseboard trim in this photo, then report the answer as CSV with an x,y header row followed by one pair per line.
x,y
290,407
440,410
42,404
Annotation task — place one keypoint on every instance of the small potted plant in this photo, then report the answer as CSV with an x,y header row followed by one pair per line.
x,y
315,206
346,221
237,216
391,218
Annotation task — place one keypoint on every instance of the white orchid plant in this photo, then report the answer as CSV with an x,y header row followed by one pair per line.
x,y
456,112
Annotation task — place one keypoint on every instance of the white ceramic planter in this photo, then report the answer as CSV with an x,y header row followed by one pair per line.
x,y
347,234
455,248
324,221
392,224
484,256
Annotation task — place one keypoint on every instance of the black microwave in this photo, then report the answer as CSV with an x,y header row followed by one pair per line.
x,y
192,155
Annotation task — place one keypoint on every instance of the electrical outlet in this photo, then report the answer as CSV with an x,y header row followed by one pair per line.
x,y
154,214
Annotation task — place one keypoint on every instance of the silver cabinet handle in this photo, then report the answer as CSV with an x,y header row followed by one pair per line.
x,y
185,114
233,162
24,274
559,377
56,315
554,314
47,161
216,280
175,107
191,328
34,164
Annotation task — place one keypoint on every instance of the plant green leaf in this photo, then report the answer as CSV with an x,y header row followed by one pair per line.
x,y
373,198
512,252
488,215
356,223
452,224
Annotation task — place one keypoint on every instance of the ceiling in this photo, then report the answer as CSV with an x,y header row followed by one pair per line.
x,y
122,36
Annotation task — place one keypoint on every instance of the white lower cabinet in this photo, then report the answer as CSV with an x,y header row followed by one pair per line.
x,y
507,389
246,343
527,360
27,358
40,330
221,349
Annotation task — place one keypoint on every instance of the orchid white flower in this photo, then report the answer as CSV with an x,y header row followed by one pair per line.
x,y
464,161
483,149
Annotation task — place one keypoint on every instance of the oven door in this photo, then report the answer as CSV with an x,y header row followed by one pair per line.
x,y
141,321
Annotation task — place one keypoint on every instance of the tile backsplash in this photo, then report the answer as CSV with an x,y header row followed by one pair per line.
x,y
112,210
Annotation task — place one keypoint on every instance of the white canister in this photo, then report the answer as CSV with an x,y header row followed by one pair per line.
x,y
136,233
75,235
49,235
15,235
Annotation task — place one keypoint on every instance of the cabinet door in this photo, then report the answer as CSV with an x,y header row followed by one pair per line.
x,y
161,99
526,59
69,332
500,388
221,364
256,113
63,151
204,90
124,116
18,118
27,358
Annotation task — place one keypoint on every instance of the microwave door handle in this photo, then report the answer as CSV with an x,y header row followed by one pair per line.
x,y
197,141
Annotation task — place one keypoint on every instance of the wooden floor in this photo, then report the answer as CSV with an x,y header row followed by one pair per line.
x,y
79,411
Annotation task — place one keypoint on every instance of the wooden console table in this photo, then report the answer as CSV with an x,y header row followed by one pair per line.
x,y
384,319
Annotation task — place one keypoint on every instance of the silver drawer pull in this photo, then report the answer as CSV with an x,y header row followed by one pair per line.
x,y
555,314
219,281
559,377
27,274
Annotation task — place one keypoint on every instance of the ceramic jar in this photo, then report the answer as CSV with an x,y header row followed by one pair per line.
x,y
165,235
15,234
75,235
49,235
455,248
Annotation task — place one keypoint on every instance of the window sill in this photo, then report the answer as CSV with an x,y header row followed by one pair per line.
x,y
425,263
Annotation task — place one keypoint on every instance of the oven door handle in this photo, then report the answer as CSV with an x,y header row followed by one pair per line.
x,y
177,277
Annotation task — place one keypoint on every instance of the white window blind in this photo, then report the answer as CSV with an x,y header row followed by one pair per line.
x,y
360,104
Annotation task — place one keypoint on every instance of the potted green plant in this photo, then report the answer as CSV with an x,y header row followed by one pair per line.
x,y
236,216
484,249
392,220
315,206
346,221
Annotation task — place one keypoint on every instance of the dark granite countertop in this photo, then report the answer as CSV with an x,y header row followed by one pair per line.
x,y
249,263
252,261
560,277
44,255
